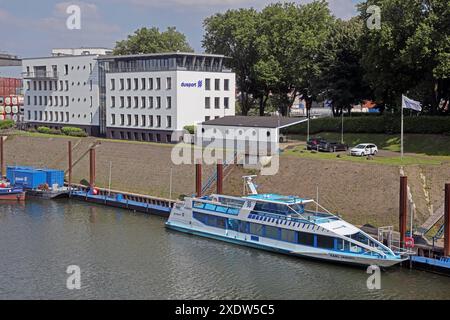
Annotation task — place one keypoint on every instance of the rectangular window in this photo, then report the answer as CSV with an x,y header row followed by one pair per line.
x,y
136,120
113,119
35,115
50,85
325,242
169,83
128,102
122,102
129,119
113,102
150,102
67,117
29,115
136,84
90,85
113,84
67,101
158,121
45,100
256,229
216,103
40,85
128,84
169,103
136,102
169,121
226,103
158,102
122,84
143,83
217,84
122,119
158,83
143,102
67,85
66,69
207,103
28,100
272,232
306,239
150,83
50,100
34,85
150,122
207,84
207,118
226,85
45,85
143,122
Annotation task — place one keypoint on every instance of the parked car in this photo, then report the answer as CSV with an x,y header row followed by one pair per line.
x,y
332,147
313,143
364,149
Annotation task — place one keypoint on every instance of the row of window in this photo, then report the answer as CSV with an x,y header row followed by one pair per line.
x,y
226,103
141,102
140,84
260,230
143,121
43,85
57,101
141,136
56,116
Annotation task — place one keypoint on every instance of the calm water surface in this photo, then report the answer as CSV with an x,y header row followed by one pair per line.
x,y
125,255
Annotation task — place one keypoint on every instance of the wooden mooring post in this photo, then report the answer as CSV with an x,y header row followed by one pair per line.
x,y
92,167
403,209
198,179
447,221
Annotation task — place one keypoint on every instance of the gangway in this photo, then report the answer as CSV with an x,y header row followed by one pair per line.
x,y
432,221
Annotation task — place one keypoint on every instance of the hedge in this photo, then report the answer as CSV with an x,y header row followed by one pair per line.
x,y
6,124
74,132
387,124
190,129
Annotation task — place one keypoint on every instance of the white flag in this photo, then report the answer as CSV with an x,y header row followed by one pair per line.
x,y
408,103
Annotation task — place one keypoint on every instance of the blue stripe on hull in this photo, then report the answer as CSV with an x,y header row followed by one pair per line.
x,y
259,246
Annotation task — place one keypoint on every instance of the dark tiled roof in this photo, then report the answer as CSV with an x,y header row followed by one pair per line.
x,y
256,122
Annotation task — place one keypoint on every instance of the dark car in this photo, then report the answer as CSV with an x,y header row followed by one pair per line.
x,y
332,147
314,143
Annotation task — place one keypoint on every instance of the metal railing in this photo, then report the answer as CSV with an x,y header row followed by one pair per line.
x,y
40,75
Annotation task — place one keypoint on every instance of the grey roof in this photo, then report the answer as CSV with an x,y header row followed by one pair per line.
x,y
255,122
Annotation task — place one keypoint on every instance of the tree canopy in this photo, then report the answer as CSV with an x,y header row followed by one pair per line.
x,y
151,40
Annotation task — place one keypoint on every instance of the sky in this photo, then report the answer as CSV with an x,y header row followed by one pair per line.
x,y
31,28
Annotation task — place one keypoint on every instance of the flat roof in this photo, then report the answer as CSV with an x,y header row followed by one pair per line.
x,y
255,122
162,54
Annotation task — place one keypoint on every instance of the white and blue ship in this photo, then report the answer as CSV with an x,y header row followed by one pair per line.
x,y
285,224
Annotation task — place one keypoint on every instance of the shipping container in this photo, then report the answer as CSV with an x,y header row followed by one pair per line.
x,y
29,179
10,170
54,177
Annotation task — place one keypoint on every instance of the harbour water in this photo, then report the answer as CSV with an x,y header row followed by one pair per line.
x,y
126,255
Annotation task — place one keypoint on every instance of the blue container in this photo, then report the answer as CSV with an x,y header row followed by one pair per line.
x,y
54,177
29,179
10,171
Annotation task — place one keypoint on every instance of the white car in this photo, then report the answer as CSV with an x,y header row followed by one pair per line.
x,y
365,149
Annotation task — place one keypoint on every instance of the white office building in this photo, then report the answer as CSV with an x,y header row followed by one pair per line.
x,y
148,97
153,97
62,91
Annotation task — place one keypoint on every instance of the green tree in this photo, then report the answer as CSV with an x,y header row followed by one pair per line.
x,y
151,40
234,34
410,53
291,42
342,79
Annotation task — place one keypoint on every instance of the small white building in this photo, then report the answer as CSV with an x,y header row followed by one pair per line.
x,y
62,91
81,51
152,97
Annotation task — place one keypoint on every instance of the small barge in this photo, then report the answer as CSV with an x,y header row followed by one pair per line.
x,y
10,193
440,265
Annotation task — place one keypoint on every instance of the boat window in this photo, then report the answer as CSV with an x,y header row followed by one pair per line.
x,y
221,209
343,245
288,235
200,217
243,227
233,225
256,229
325,242
233,211
272,208
210,207
272,232
298,208
306,239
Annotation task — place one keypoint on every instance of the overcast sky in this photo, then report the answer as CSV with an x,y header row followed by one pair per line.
x,y
31,28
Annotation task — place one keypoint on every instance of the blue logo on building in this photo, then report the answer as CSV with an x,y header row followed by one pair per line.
x,y
200,83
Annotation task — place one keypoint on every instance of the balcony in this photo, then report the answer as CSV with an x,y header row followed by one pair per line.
x,y
41,75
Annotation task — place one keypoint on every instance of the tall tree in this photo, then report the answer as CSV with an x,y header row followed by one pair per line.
x,y
234,34
342,80
410,53
292,39
151,40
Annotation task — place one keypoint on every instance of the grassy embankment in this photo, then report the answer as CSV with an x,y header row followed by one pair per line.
x,y
420,149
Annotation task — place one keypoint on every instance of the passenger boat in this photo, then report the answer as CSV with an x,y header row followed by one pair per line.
x,y
10,193
285,224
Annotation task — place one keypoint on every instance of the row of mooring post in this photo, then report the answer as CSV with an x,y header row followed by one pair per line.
x,y
198,179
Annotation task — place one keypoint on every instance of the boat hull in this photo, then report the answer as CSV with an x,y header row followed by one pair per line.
x,y
328,257
12,196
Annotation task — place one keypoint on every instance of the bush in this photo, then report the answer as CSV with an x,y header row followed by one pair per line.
x,y
6,124
47,130
387,124
73,132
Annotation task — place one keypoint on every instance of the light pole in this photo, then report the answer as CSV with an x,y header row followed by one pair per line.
x,y
342,126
